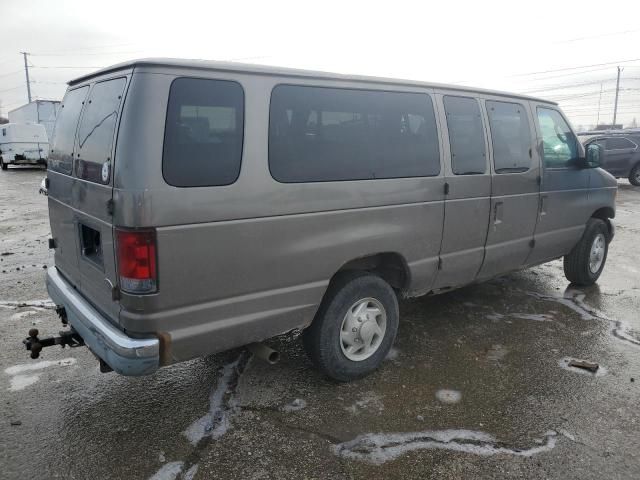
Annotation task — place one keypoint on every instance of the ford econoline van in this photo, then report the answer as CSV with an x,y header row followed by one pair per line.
x,y
199,206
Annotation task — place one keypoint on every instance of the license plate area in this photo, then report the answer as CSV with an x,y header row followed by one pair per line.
x,y
91,245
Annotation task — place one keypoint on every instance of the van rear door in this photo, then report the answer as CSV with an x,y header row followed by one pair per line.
x,y
81,190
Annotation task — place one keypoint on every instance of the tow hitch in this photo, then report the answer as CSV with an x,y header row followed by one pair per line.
x,y
35,344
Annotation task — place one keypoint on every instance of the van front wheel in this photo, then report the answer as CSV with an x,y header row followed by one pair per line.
x,y
634,175
354,327
584,264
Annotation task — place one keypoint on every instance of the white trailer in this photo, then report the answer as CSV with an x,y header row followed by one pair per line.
x,y
23,145
43,112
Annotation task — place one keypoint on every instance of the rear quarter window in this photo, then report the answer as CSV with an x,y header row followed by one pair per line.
x,y
203,133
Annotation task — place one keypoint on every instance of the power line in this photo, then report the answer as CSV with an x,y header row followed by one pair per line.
x,y
597,36
83,54
10,89
63,66
576,68
11,73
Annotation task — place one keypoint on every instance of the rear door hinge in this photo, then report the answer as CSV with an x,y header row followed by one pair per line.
x,y
532,243
110,206
446,188
539,180
440,263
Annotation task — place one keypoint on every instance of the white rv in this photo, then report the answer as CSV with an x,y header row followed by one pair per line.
x,y
23,145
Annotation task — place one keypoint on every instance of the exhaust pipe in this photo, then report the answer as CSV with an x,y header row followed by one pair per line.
x,y
265,353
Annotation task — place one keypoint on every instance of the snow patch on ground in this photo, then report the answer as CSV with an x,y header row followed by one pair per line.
x,y
170,471
449,396
216,421
26,313
20,382
393,354
189,474
536,317
30,367
45,304
297,404
368,401
378,448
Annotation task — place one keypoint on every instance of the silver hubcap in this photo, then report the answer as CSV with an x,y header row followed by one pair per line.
x,y
596,256
363,329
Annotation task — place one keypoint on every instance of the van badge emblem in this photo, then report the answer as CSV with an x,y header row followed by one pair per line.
x,y
105,171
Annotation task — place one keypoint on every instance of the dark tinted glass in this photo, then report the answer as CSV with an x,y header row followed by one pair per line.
x,y
510,137
96,131
328,134
466,135
560,145
64,134
203,133
618,143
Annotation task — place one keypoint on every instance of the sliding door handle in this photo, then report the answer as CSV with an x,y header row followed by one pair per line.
x,y
498,208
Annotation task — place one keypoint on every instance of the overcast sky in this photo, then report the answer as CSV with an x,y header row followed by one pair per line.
x,y
499,45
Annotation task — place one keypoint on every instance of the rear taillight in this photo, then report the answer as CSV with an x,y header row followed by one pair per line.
x,y
136,253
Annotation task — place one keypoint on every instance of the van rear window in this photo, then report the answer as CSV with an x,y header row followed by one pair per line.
x,y
319,134
97,129
64,134
204,133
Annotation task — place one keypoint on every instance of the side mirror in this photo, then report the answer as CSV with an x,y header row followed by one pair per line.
x,y
593,155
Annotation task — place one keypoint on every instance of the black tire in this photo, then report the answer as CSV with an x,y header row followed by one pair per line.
x,y
3,165
322,340
634,175
577,267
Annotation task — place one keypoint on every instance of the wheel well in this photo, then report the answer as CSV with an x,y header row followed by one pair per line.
x,y
604,214
390,266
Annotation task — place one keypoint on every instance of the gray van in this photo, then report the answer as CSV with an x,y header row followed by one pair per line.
x,y
200,206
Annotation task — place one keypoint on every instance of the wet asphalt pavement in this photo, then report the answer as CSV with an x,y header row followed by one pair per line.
x,y
477,385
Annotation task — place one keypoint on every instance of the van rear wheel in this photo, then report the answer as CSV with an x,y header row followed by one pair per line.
x,y
354,327
634,175
584,264
3,165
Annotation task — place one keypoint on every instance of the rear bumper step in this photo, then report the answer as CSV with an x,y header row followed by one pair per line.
x,y
124,354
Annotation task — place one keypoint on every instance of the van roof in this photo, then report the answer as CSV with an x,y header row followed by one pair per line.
x,y
213,65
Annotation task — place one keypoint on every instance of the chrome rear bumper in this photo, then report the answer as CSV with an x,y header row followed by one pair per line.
x,y
124,354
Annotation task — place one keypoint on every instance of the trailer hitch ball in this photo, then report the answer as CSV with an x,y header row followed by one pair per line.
x,y
33,343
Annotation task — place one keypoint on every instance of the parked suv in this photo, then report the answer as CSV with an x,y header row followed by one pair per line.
x,y
621,156
201,206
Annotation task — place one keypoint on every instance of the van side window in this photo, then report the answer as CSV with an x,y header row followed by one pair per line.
x,y
64,134
559,144
466,135
203,133
510,137
319,134
619,143
96,131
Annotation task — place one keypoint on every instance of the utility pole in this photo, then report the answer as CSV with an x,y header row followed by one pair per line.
x,y
26,72
615,105
599,102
